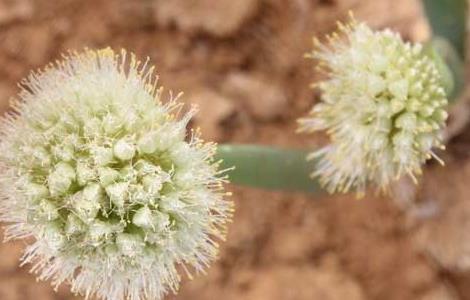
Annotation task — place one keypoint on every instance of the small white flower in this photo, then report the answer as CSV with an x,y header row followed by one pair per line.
x,y
96,172
382,106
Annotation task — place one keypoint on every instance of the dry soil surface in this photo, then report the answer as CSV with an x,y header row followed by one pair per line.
x,y
242,63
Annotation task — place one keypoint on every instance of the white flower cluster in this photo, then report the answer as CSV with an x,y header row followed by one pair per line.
x,y
97,174
382,106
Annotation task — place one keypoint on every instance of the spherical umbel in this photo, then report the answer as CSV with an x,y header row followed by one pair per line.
x,y
382,106
99,176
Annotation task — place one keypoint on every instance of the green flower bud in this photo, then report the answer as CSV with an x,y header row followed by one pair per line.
x,y
124,150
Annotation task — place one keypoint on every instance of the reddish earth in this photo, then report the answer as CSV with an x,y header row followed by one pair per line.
x,y
242,63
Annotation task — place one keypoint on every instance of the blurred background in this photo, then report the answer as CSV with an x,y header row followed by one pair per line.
x,y
242,62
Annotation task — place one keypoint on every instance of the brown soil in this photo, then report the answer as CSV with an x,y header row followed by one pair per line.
x,y
242,63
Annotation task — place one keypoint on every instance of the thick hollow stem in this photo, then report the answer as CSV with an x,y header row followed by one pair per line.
x,y
268,167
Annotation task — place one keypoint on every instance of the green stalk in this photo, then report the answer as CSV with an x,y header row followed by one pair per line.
x,y
268,167
447,19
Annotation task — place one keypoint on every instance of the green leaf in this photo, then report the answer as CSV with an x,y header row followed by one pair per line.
x,y
448,20
268,167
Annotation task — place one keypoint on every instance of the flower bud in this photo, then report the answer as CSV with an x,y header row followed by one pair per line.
x,y
117,193
129,244
124,150
107,176
102,155
59,182
85,174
